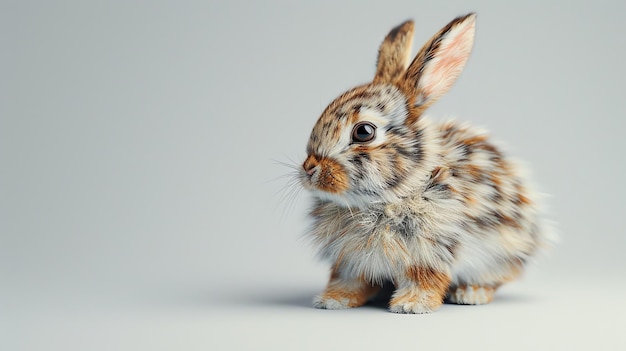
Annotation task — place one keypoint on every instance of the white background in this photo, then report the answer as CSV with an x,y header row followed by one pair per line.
x,y
142,205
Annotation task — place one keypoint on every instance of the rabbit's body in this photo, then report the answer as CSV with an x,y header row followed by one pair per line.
x,y
470,216
436,209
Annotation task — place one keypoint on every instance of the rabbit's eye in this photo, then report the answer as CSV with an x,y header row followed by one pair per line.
x,y
363,132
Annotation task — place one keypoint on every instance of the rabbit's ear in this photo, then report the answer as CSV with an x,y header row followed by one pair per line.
x,y
439,63
394,53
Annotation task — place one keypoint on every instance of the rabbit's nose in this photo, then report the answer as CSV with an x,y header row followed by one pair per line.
x,y
309,164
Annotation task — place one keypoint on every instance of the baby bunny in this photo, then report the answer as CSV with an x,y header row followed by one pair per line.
x,y
434,208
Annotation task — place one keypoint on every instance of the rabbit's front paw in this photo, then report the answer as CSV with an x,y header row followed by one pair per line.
x,y
415,302
344,293
411,308
331,303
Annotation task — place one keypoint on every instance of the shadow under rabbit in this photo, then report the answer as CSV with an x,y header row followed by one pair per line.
x,y
302,297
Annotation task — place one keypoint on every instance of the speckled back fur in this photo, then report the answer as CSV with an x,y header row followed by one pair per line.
x,y
435,208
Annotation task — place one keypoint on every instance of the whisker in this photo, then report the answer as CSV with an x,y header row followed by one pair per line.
x,y
291,165
289,186
289,193
289,202
281,177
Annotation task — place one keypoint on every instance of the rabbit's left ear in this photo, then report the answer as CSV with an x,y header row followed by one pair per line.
x,y
439,63
394,53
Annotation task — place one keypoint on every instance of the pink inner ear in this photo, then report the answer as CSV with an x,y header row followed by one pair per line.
x,y
442,71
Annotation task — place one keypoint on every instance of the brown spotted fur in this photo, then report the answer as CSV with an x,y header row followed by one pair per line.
x,y
436,209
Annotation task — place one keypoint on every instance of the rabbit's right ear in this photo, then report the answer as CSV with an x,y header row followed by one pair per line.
x,y
394,53
439,63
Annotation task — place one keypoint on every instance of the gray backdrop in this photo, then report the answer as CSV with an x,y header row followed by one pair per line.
x,y
143,203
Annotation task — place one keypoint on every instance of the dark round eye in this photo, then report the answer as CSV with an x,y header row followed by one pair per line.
x,y
363,132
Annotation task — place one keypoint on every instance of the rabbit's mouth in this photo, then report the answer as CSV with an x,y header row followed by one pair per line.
x,y
325,174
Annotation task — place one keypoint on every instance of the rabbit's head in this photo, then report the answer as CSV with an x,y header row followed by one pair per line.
x,y
370,145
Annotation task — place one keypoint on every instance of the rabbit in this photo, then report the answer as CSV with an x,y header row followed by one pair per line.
x,y
434,208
